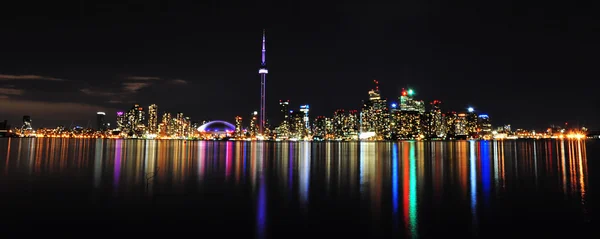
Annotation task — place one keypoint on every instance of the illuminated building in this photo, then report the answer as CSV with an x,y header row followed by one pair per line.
x,y
319,128
121,121
374,116
253,127
283,130
167,123
263,78
329,128
135,121
217,129
407,103
100,122
435,121
284,110
179,124
450,124
484,125
238,126
298,127
339,123
304,109
352,124
471,123
153,119
460,126
410,122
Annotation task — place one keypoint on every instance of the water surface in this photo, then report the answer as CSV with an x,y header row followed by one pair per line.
x,y
408,189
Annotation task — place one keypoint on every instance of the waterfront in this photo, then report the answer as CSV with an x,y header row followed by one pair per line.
x,y
411,189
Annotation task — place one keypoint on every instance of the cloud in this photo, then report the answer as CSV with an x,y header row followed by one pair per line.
x,y
40,109
28,77
178,81
11,91
4,97
115,102
134,86
96,92
143,78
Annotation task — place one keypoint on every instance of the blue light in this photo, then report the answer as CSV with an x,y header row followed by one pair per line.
x,y
483,116
393,105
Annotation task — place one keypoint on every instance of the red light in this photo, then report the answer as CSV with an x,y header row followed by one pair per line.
x,y
403,93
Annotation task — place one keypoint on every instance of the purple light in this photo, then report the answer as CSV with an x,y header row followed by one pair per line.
x,y
120,113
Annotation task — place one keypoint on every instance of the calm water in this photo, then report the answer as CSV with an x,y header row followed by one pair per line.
x,y
293,190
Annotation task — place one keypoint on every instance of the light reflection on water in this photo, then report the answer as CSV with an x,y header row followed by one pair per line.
x,y
406,180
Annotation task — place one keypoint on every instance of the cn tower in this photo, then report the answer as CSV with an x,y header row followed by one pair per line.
x,y
262,117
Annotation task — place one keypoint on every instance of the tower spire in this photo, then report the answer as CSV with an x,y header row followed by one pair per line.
x,y
264,50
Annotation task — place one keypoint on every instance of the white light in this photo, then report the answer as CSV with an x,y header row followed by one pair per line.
x,y
263,71
101,113
471,109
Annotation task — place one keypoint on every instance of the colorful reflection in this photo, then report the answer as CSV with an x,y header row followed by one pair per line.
x,y
473,179
304,174
470,173
410,189
261,209
117,164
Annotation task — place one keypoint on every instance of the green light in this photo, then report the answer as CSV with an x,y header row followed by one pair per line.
x,y
410,91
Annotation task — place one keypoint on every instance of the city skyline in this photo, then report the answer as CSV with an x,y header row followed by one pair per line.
x,y
73,75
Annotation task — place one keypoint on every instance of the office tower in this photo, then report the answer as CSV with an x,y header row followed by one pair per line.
x,y
484,125
121,121
471,123
374,115
167,123
435,120
339,122
283,129
153,119
319,128
352,127
238,126
450,119
253,127
100,121
179,124
304,109
135,120
263,81
284,111
461,126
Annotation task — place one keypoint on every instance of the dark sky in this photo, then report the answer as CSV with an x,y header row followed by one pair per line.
x,y
528,64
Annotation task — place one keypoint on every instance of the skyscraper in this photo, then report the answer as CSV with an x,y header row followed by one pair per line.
x,y
263,80
304,109
152,119
374,115
100,122
284,110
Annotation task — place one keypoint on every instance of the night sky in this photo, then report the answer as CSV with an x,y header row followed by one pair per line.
x,y
525,64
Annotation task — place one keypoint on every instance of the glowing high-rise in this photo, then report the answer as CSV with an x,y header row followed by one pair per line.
x,y
262,117
153,119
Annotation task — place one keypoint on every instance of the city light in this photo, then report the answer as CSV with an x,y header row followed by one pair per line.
x,y
471,110
410,92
